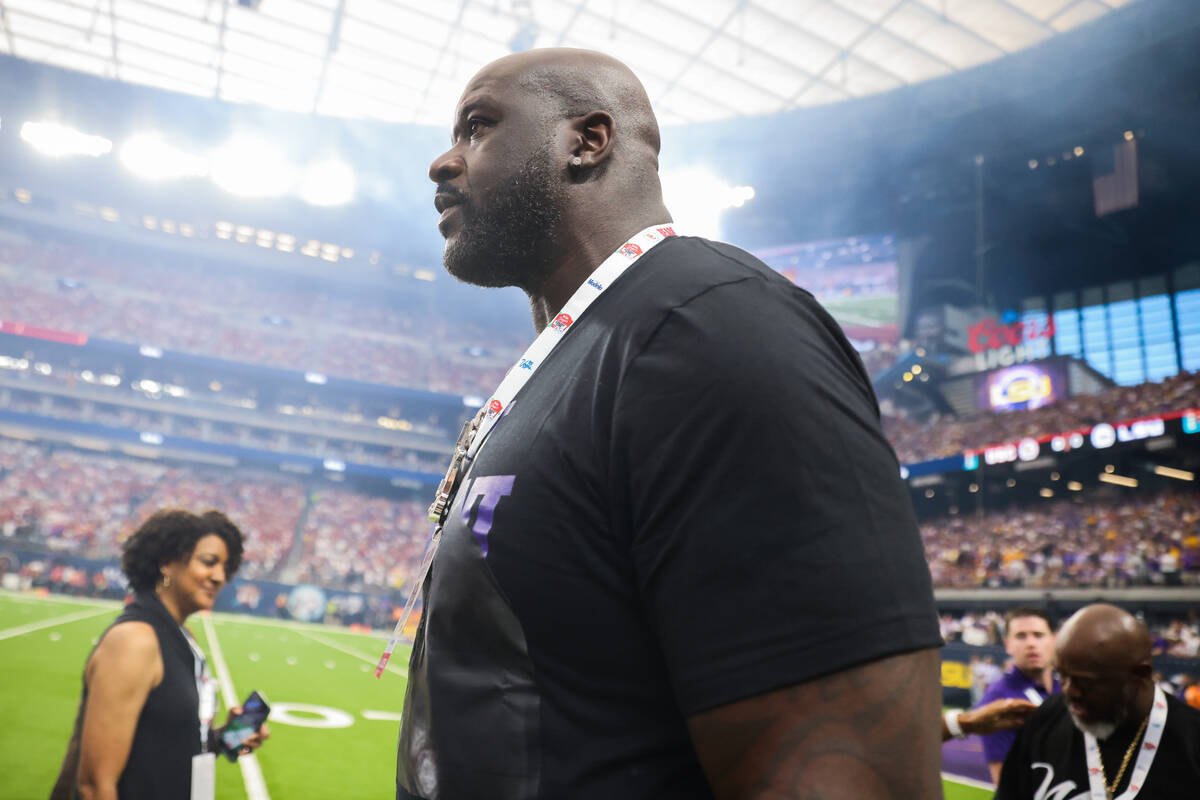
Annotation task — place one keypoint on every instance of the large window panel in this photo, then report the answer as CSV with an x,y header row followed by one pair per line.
x,y
1096,350
1158,337
1128,367
1067,341
1187,315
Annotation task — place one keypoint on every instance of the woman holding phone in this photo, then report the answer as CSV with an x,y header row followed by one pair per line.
x,y
144,724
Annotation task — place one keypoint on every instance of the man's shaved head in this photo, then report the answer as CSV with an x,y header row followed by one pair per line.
x,y
576,82
1103,658
1107,635
569,83
550,149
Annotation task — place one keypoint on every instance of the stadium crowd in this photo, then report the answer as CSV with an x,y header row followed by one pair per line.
x,y
70,501
273,321
943,436
352,541
85,504
1133,540
266,508
81,503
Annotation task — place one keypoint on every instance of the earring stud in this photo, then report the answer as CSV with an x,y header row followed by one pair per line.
x,y
576,162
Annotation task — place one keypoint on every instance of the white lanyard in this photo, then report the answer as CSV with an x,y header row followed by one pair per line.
x,y
518,375
1033,695
1146,753
205,690
533,357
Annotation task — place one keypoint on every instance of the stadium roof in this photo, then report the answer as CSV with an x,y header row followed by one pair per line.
x,y
407,60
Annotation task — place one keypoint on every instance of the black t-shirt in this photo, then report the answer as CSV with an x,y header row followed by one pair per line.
x,y
690,503
1048,761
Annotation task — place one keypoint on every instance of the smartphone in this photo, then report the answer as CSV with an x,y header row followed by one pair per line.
x,y
244,725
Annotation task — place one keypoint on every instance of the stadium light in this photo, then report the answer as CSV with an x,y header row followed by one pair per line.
x,y
1177,474
57,141
1118,480
696,198
147,156
251,167
328,183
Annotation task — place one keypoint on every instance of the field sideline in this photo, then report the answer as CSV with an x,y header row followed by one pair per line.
x,y
333,725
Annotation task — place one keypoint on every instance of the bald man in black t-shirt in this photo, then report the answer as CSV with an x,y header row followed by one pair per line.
x,y
1111,732
683,564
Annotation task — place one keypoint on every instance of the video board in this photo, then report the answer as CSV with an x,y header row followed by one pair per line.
x,y
1022,386
856,279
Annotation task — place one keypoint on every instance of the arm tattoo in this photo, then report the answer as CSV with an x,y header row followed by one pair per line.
x,y
867,733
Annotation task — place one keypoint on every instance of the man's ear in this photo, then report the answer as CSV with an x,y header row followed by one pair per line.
x,y
594,139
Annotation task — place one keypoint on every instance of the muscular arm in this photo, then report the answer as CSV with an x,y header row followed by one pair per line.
x,y
866,733
120,674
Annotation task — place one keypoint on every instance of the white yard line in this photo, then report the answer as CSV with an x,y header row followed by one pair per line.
x,y
968,781
31,597
384,716
19,630
372,660
256,786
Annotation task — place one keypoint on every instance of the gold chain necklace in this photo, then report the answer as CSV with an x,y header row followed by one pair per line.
x,y
1109,789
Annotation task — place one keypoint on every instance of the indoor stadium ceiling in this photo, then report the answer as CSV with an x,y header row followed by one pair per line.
x,y
407,60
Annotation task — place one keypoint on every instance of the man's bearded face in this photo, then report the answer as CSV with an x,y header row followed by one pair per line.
x,y
506,233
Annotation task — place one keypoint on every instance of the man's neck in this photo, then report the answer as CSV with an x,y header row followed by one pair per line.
x,y
583,247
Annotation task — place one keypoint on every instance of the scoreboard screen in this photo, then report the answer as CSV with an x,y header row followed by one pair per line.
x,y
1024,386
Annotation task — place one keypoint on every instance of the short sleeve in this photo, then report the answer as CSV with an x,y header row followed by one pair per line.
x,y
773,540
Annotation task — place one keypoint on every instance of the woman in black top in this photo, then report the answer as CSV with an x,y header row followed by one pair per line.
x,y
147,691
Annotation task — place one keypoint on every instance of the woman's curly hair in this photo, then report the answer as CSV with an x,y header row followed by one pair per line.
x,y
171,535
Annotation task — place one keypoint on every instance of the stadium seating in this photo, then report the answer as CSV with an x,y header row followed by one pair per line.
x,y
946,436
185,306
266,509
1133,540
354,541
86,504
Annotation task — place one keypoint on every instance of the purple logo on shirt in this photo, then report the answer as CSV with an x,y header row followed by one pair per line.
x,y
489,491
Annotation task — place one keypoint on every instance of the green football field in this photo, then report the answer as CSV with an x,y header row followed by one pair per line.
x,y
333,725
861,310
